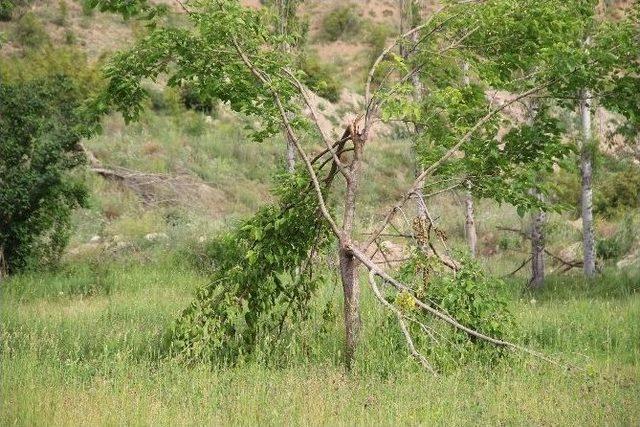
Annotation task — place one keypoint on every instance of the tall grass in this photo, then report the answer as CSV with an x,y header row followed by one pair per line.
x,y
85,346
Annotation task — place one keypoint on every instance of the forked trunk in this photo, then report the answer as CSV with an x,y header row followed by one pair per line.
x,y
586,170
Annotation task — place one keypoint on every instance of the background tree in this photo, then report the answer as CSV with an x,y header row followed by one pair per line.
x,y
40,127
291,31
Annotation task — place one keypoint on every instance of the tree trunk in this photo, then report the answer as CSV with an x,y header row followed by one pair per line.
x,y
283,23
586,169
537,247
351,290
348,263
291,154
407,18
3,265
470,222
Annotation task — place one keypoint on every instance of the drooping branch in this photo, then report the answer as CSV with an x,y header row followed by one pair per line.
x,y
403,326
283,116
441,315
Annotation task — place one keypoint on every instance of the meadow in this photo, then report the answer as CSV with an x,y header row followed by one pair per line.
x,y
84,342
84,346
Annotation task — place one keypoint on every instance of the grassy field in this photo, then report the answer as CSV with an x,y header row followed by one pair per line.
x,y
83,346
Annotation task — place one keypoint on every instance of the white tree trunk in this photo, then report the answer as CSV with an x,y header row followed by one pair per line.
x,y
283,10
538,220
586,170
291,154
470,221
406,19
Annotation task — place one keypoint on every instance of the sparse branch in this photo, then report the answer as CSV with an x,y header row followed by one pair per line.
x,y
434,166
403,326
294,139
314,116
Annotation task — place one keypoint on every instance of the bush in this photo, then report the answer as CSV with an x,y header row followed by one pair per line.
x,y
87,7
618,190
620,243
7,8
63,14
341,23
376,37
49,61
321,77
471,298
39,130
164,100
195,100
30,32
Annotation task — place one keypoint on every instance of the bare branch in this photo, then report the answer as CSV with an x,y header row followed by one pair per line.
x,y
283,115
403,326
434,166
314,116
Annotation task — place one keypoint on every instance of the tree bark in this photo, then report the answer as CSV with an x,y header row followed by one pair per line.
x,y
406,17
586,171
348,263
3,265
283,23
351,290
470,222
537,247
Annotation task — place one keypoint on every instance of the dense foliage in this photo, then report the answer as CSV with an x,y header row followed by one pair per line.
x,y
39,129
262,279
469,296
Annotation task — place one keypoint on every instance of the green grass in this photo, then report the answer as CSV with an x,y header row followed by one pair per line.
x,y
82,346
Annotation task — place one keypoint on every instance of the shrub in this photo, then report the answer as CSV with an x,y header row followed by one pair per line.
x,y
63,14
195,100
87,7
39,130
67,61
470,297
321,77
618,190
30,32
6,10
8,6
376,37
164,100
620,243
70,37
341,23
